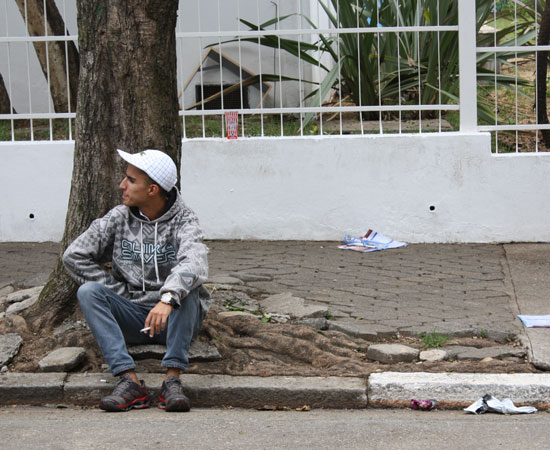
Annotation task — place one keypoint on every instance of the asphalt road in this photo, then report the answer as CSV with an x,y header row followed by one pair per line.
x,y
72,428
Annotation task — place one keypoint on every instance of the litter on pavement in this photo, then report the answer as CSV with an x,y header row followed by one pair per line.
x,y
535,321
370,242
423,405
488,403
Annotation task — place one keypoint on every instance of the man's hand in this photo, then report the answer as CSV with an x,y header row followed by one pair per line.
x,y
158,317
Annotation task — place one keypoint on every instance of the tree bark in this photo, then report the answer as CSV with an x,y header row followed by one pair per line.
x,y
542,67
127,99
5,99
53,54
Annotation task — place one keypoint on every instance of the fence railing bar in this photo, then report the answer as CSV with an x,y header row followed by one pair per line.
x,y
322,109
240,65
38,38
280,68
359,65
514,48
467,65
260,71
48,74
520,127
296,31
37,116
201,68
66,31
419,81
339,70
221,70
28,68
301,89
179,50
440,117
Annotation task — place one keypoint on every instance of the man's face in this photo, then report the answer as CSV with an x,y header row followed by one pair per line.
x,y
135,188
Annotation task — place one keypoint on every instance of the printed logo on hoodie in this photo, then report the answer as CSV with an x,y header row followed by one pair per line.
x,y
131,251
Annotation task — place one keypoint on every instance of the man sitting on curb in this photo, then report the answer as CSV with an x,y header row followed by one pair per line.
x,y
159,265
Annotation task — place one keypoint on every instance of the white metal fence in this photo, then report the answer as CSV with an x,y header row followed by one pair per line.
x,y
378,66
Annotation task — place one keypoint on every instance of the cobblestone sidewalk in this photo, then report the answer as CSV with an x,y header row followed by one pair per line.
x,y
460,290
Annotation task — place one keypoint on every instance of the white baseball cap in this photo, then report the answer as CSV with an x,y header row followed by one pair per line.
x,y
158,165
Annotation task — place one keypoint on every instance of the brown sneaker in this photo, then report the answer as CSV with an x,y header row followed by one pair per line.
x,y
126,395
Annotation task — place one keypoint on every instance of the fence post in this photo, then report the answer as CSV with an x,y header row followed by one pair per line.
x,y
467,65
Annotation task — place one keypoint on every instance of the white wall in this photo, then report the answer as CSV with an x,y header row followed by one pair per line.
x,y
316,188
35,179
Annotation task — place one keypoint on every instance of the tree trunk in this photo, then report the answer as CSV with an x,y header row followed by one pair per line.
x,y
542,66
5,99
53,53
127,99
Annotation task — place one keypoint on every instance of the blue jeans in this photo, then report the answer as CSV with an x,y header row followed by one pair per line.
x,y
115,321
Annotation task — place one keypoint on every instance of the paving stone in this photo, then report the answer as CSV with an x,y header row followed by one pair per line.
x,y
239,300
19,296
227,314
16,308
454,328
9,347
203,351
504,333
247,276
70,326
278,318
38,280
454,350
319,323
224,279
62,359
392,353
6,290
294,307
356,328
433,355
4,283
198,351
491,352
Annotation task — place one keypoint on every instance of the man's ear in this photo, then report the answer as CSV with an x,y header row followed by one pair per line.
x,y
153,189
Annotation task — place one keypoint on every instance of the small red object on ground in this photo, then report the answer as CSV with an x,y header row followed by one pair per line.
x,y
423,405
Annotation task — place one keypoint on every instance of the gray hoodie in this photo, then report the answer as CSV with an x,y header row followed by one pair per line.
x,y
148,257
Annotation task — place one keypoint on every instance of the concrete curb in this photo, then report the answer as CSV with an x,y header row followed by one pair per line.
x,y
457,390
386,389
203,390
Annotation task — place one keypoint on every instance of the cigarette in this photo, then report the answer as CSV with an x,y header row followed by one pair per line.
x,y
143,330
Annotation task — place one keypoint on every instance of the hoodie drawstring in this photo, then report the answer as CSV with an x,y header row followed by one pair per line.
x,y
142,258
155,253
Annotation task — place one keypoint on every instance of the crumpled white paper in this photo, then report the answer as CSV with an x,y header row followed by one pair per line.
x,y
488,403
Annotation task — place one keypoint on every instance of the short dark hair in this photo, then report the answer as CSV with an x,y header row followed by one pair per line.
x,y
149,181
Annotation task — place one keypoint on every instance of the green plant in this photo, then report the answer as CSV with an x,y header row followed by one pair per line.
x,y
483,333
328,315
407,68
433,339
